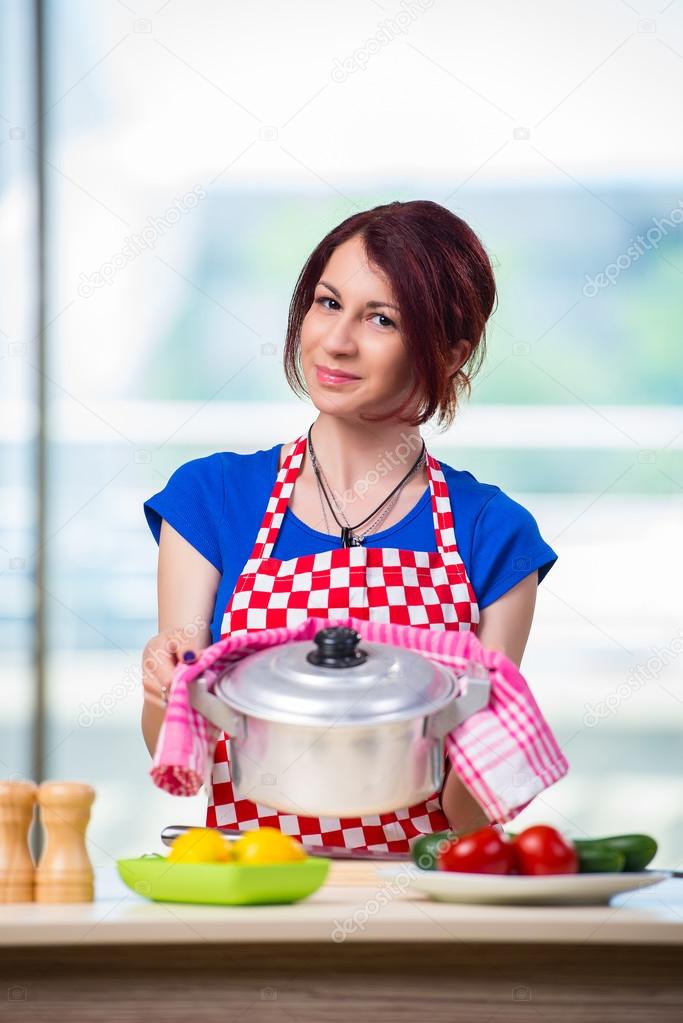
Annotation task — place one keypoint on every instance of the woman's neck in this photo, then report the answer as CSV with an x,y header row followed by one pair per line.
x,y
362,458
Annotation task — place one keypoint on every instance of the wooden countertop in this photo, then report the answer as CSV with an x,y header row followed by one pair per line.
x,y
347,908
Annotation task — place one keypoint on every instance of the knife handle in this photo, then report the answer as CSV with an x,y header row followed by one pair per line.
x,y
169,834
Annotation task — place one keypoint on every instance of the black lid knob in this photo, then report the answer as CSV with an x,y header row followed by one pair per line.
x,y
337,648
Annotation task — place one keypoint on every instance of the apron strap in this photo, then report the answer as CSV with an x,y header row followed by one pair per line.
x,y
277,505
442,513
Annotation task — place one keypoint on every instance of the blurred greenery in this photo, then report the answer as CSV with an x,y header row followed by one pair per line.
x,y
620,345
519,470
551,339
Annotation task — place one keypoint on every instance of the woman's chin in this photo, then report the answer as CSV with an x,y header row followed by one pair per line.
x,y
331,407
332,400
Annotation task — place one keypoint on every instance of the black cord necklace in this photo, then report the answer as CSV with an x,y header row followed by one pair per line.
x,y
347,537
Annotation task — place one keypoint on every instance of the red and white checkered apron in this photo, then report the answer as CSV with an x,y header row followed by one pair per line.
x,y
422,588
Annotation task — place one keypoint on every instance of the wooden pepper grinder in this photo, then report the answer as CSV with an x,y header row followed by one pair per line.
x,y
64,872
17,800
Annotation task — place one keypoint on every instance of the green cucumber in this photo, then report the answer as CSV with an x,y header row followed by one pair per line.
x,y
600,860
638,850
425,851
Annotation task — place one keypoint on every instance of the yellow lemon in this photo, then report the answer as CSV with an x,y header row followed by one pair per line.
x,y
267,845
200,845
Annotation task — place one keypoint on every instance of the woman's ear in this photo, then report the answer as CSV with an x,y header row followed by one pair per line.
x,y
457,354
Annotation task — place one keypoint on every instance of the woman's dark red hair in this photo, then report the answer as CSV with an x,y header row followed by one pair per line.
x,y
443,284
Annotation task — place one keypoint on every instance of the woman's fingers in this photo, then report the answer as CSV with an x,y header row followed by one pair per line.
x,y
160,659
158,665
182,648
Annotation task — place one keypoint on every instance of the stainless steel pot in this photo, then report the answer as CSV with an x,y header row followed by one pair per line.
x,y
331,728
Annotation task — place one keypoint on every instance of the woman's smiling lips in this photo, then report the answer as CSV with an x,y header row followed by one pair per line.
x,y
333,376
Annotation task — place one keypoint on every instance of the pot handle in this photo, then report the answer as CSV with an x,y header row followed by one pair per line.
x,y
461,707
214,710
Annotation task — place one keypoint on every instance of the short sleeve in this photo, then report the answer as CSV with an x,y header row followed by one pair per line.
x,y
192,502
506,547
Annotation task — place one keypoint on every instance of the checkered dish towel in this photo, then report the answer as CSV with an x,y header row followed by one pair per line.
x,y
505,753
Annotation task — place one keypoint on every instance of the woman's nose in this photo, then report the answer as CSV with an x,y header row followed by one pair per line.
x,y
340,337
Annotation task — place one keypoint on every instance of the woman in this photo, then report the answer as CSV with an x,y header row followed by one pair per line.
x,y
386,328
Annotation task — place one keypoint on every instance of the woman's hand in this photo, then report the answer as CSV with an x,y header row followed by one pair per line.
x,y
161,656
187,585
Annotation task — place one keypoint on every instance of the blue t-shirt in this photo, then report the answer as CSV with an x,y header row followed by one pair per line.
x,y
217,504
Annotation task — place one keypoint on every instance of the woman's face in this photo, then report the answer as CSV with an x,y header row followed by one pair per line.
x,y
354,327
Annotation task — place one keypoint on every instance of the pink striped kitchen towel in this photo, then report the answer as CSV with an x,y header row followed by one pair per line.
x,y
505,753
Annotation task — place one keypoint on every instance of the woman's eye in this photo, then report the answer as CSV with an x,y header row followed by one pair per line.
x,y
326,298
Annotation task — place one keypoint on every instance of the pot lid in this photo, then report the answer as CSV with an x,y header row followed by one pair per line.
x,y
336,680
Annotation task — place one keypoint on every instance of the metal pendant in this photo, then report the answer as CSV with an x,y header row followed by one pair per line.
x,y
348,539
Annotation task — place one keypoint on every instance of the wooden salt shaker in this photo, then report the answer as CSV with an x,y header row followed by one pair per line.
x,y
64,872
17,870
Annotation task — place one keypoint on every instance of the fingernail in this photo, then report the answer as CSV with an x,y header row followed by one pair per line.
x,y
189,656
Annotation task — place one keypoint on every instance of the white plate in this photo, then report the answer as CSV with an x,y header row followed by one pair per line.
x,y
519,889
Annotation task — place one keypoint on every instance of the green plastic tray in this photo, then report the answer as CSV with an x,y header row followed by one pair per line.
x,y
223,884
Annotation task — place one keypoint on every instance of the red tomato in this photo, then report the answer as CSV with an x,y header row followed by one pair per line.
x,y
487,851
543,850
